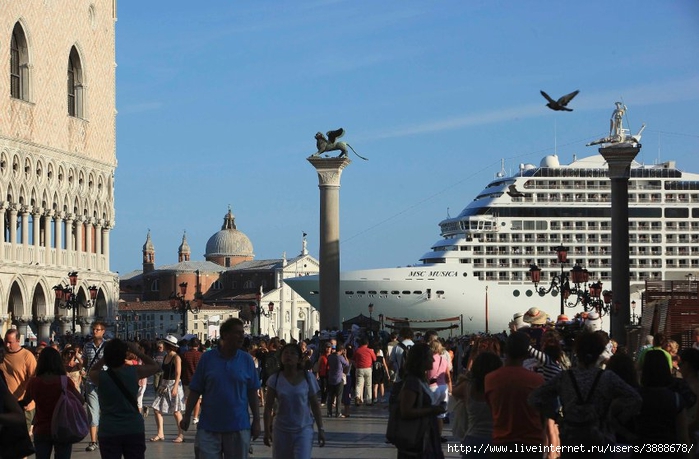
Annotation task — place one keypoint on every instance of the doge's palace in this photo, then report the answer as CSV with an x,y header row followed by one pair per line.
x,y
57,163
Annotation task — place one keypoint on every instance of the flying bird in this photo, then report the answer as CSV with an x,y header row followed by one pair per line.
x,y
560,104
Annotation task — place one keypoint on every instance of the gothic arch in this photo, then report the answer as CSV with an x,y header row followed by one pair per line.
x,y
16,303
40,300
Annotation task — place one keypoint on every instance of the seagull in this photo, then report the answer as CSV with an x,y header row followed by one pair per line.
x,y
560,104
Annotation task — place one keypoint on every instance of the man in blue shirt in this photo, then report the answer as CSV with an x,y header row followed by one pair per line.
x,y
227,382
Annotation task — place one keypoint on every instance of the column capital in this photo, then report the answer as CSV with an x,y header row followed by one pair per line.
x,y
49,213
68,216
27,209
329,169
619,159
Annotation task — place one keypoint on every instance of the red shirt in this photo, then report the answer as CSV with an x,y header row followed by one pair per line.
x,y
45,393
190,360
364,357
514,420
323,365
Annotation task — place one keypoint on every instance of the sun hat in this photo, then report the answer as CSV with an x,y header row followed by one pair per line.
x,y
534,316
562,318
518,321
171,340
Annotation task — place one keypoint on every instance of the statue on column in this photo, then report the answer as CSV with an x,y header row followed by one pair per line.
x,y
331,143
618,135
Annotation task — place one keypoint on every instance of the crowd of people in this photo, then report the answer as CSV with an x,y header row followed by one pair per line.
x,y
531,392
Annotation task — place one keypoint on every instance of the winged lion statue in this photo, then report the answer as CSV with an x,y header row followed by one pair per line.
x,y
331,143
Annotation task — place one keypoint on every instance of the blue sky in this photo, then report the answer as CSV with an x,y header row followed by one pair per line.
x,y
219,101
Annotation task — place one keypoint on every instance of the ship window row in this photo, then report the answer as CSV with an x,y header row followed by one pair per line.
x,y
569,172
605,276
383,292
603,197
567,184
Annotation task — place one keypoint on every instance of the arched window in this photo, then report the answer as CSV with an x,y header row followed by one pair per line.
x,y
19,64
75,85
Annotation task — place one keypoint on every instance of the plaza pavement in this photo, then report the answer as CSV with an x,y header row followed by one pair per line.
x,y
359,436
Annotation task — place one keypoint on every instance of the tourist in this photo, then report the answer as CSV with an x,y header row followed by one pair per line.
x,y
405,342
18,366
338,367
296,391
414,388
471,390
190,360
45,389
364,358
506,392
226,380
321,370
170,395
439,377
121,428
586,393
379,375
73,366
93,352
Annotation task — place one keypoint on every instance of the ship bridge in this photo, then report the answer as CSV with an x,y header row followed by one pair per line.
x,y
473,222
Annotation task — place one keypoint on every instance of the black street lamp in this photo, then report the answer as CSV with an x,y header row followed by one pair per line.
x,y
590,296
371,319
181,306
67,298
633,315
257,311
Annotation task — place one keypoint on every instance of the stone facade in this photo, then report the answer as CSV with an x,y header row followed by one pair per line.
x,y
57,160
229,288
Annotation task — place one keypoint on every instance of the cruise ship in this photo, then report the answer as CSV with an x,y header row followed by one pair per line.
x,y
479,267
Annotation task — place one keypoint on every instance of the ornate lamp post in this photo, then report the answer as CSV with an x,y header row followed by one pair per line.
x,y
181,306
633,315
68,299
371,318
589,295
381,321
257,311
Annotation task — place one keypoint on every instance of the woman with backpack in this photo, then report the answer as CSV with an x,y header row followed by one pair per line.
x,y
586,393
379,374
45,389
296,391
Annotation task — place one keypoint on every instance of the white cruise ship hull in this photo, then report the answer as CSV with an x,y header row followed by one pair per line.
x,y
423,294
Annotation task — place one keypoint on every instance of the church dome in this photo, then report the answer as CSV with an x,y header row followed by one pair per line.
x,y
229,242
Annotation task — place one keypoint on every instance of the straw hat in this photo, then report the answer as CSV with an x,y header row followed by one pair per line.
x,y
534,316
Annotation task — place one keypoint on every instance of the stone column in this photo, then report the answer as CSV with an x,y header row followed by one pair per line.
x,y
22,323
25,230
43,328
66,321
13,224
619,160
105,245
36,220
69,232
329,172
47,235
3,206
98,239
79,231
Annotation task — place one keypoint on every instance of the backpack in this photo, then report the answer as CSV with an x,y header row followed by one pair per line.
x,y
378,365
407,435
400,360
69,422
580,423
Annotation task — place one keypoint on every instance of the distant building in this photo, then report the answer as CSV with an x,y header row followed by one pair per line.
x,y
229,283
57,162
